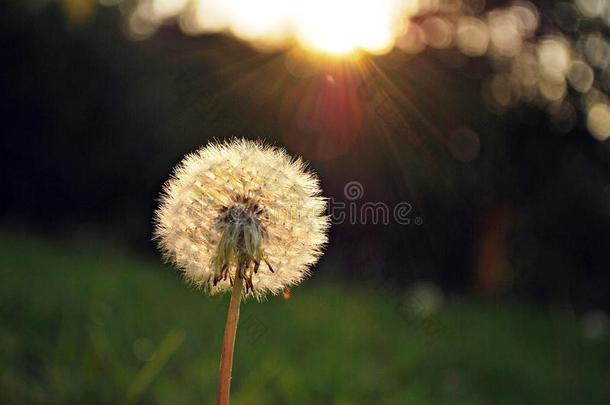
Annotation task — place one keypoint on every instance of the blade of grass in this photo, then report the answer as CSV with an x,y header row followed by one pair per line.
x,y
151,369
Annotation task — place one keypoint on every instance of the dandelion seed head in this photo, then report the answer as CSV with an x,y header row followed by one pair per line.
x,y
242,208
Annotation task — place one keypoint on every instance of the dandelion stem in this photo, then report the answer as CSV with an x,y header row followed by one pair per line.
x,y
228,343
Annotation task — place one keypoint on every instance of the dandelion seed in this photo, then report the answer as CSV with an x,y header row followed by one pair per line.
x,y
241,213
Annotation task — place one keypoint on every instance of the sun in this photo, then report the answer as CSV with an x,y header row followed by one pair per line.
x,y
342,27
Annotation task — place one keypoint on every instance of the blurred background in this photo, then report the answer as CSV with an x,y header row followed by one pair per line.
x,y
487,123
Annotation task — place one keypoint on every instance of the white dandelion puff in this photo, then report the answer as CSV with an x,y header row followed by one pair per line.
x,y
242,209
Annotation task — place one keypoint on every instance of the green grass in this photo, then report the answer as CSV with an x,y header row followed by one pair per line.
x,y
80,325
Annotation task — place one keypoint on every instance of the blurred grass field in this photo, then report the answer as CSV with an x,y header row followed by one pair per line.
x,y
85,325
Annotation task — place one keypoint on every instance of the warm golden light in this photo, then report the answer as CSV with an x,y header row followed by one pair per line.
x,y
336,27
561,66
598,121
